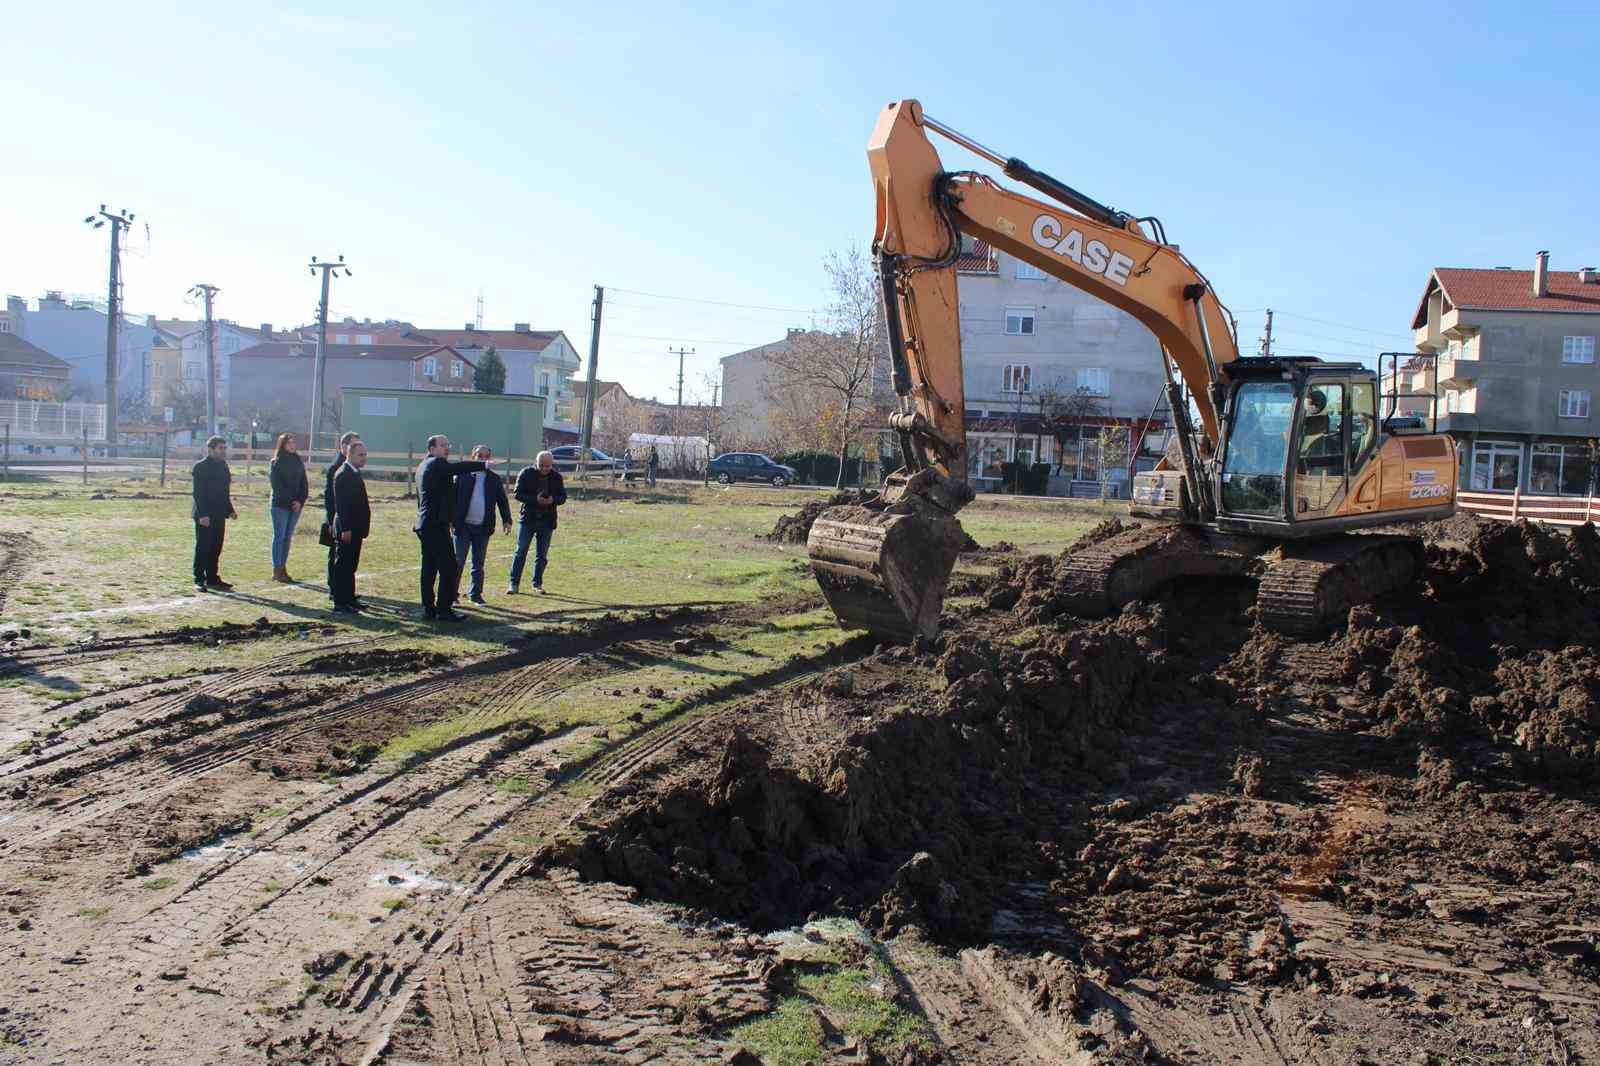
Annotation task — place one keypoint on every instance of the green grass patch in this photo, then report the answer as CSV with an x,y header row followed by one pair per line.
x,y
864,1012
156,884
94,914
393,905
516,786
789,1036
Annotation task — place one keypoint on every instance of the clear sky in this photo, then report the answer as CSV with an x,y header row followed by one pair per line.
x,y
1319,163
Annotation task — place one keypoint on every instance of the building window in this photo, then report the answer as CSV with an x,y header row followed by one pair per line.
x,y
1029,272
1017,378
1094,381
191,371
1577,349
5,325
1574,403
457,368
363,338
1019,321
544,383
1496,466
1462,349
430,367
1559,470
380,406
341,338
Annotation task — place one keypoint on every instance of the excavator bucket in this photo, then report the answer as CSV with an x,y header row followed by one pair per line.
x,y
884,570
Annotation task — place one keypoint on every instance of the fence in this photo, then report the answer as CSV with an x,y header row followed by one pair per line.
x,y
31,421
1510,506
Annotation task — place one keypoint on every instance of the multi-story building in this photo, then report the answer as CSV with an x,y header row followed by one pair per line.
x,y
1046,368
28,372
179,364
538,362
1516,373
74,331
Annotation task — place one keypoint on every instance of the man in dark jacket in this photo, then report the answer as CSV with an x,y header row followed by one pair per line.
x,y
435,505
352,521
328,507
540,491
478,496
213,506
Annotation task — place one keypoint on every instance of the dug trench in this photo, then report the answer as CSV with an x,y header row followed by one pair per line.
x,y
1384,840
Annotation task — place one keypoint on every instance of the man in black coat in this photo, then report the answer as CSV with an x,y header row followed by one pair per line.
x,y
435,506
328,502
352,521
478,497
213,506
540,491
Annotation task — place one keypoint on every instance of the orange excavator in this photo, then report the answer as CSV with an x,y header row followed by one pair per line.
x,y
1277,460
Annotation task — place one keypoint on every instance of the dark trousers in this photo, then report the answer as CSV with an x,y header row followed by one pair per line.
x,y
528,534
333,555
438,560
477,539
208,549
346,557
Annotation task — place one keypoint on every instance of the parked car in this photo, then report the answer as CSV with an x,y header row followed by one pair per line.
x,y
566,457
750,466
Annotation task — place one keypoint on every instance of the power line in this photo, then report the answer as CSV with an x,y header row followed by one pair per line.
x,y
717,303
1345,326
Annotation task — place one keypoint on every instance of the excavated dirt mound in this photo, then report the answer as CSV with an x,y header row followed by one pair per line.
x,y
795,528
1177,795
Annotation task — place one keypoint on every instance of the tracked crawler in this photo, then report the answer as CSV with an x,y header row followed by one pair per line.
x,y
1279,461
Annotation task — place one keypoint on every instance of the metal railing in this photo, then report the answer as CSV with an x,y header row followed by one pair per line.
x,y
30,420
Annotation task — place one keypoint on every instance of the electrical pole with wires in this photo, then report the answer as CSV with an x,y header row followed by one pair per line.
x,y
677,412
119,220
209,291
590,391
1266,338
320,371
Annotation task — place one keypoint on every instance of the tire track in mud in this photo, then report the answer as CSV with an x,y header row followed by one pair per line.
x,y
609,766
15,548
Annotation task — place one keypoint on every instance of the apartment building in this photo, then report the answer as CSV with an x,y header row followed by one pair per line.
x,y
1516,373
1027,337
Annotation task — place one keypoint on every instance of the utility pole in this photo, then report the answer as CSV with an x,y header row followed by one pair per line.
x,y
1266,338
589,393
209,291
119,220
320,371
677,412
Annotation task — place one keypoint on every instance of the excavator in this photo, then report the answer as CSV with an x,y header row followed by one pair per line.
x,y
1277,461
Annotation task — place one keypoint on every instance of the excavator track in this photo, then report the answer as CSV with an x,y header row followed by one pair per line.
x,y
1311,587
1134,564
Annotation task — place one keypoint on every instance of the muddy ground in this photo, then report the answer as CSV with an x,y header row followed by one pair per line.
x,y
1172,836
1164,836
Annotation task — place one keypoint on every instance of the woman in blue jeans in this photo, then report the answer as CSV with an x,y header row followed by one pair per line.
x,y
540,491
290,491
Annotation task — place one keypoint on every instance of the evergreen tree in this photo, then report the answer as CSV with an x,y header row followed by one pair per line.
x,y
490,375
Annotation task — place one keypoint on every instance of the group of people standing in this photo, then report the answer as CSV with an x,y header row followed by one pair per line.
x,y
457,506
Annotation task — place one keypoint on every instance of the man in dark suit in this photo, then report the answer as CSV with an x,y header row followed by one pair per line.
x,y
435,505
328,507
213,506
478,496
352,522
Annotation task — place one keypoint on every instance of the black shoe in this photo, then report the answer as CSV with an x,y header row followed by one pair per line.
x,y
360,604
478,600
447,615
347,608
200,586
429,613
511,590
218,583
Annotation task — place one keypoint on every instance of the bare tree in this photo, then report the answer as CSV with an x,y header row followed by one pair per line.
x,y
1064,414
839,364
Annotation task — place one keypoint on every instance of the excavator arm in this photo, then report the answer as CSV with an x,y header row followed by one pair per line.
x,y
879,571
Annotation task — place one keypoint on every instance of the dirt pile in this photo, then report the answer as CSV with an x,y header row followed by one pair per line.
x,y
928,784
795,528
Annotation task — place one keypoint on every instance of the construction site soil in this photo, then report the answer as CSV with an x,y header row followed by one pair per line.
x,y
1178,837
1165,836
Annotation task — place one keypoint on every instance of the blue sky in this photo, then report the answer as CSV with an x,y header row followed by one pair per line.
x,y
1319,163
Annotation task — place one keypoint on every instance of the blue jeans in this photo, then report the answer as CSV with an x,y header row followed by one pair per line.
x,y
476,538
283,523
527,534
